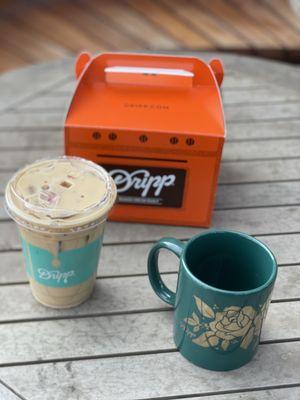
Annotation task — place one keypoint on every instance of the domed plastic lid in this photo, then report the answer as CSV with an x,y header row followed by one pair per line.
x,y
64,193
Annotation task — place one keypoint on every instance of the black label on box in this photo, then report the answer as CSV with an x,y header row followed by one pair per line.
x,y
151,186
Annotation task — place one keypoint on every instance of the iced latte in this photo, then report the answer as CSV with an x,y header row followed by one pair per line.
x,y
61,206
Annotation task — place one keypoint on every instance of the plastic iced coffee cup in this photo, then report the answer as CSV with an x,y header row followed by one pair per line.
x,y
60,206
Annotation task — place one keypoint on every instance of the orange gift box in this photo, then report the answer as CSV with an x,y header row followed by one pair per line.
x,y
156,123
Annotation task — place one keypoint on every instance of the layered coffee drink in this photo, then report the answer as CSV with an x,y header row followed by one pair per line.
x,y
61,206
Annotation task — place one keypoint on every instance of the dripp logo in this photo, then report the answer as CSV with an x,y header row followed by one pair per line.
x,y
145,185
142,180
57,276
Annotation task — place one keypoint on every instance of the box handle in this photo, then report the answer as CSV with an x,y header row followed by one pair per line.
x,y
217,67
162,70
82,60
148,76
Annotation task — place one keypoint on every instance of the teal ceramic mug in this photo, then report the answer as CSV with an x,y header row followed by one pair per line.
x,y
223,290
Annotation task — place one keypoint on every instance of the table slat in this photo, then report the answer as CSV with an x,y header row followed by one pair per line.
x,y
235,151
291,393
285,248
7,394
232,173
234,113
150,376
18,87
117,334
259,221
286,393
242,196
238,131
121,295
260,95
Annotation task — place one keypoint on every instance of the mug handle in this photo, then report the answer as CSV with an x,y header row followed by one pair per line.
x,y
176,247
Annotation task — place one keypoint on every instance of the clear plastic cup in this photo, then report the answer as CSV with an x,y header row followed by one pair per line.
x,y
60,206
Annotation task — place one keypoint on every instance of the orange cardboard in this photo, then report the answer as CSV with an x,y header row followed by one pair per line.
x,y
156,123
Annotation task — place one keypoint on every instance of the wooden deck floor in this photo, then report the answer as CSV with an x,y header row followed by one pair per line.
x,y
41,30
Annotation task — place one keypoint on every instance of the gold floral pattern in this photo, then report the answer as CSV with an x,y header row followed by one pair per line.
x,y
220,329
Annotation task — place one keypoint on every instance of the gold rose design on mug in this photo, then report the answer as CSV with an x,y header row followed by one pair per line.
x,y
230,326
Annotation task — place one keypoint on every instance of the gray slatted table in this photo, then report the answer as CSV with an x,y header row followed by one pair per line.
x,y
118,345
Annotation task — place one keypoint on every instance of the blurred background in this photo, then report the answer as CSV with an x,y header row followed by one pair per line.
x,y
34,31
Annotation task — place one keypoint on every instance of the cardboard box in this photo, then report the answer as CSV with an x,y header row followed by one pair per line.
x,y
156,124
